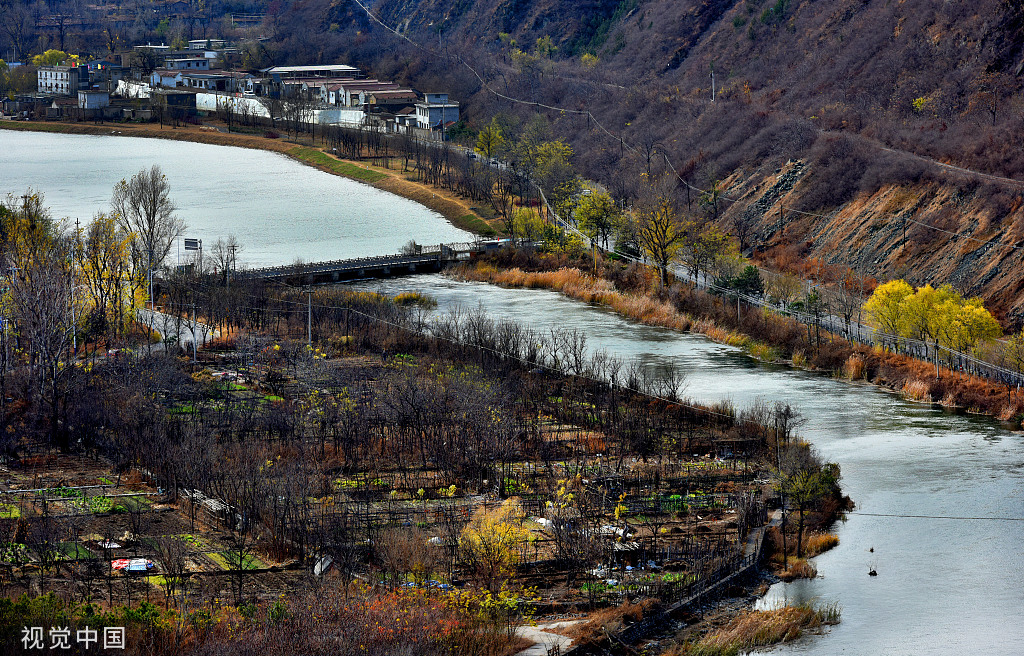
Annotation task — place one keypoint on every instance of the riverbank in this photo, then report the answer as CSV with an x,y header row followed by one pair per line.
x,y
631,291
457,210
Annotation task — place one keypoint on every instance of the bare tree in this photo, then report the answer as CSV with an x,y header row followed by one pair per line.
x,y
171,552
144,210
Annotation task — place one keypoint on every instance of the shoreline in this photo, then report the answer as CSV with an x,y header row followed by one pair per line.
x,y
890,369
456,210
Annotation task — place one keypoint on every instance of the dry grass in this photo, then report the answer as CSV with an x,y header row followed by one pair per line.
x,y
799,359
917,390
854,367
799,568
415,298
583,287
818,543
764,352
610,620
762,628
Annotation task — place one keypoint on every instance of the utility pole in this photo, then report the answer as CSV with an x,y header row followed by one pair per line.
x,y
712,81
231,263
195,354
309,315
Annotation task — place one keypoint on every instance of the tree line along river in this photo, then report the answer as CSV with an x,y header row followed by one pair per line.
x,y
940,496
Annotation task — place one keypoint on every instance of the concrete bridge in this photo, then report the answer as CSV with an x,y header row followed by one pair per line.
x,y
426,259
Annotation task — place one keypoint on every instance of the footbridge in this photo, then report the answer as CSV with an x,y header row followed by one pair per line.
x,y
422,259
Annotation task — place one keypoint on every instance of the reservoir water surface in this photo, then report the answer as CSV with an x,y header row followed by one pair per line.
x,y
278,209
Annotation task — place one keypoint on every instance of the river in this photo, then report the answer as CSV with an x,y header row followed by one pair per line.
x,y
944,586
278,209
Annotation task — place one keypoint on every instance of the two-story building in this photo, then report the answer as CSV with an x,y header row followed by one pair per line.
x,y
105,73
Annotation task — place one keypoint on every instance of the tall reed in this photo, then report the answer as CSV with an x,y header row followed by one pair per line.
x,y
763,628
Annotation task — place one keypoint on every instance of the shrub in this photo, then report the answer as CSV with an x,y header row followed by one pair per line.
x,y
764,352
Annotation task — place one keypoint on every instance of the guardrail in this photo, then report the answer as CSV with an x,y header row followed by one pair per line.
x,y
437,253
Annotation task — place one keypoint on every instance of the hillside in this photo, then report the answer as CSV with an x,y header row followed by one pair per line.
x,y
863,98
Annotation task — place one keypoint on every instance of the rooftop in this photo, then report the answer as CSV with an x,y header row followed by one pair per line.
x,y
334,68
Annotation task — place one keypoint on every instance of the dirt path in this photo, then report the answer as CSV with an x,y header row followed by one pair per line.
x,y
456,209
543,641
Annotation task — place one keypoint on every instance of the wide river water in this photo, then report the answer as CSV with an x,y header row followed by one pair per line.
x,y
944,586
278,209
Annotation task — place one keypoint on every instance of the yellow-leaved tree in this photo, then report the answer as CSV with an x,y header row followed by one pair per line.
x,y
941,315
925,313
490,140
883,309
596,213
660,233
54,58
527,225
105,269
967,323
492,543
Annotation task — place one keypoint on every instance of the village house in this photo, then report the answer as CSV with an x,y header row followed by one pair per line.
x,y
279,73
93,99
165,78
105,73
206,44
226,81
436,112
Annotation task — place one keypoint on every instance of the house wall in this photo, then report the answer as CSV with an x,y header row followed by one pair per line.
x,y
210,102
341,116
133,89
188,65
93,100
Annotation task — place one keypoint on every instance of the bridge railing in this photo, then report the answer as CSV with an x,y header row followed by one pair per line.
x,y
425,254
